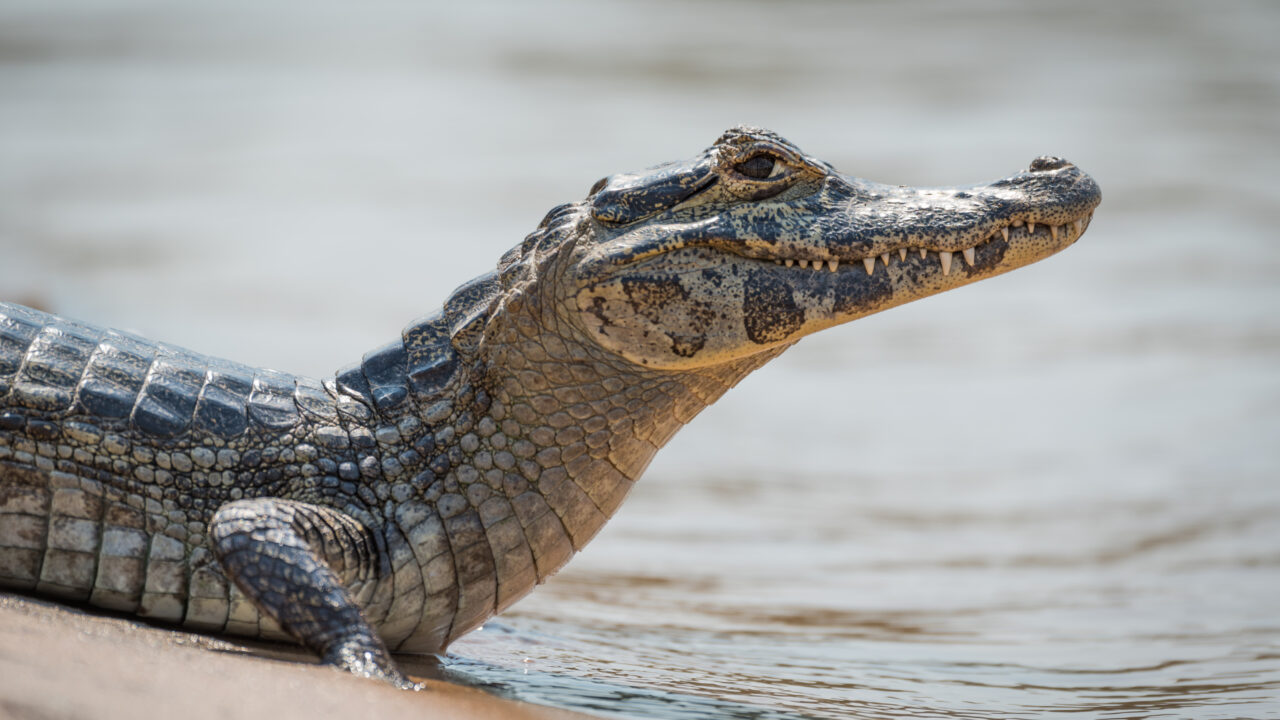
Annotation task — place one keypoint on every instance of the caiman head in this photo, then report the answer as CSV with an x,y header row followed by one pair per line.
x,y
752,244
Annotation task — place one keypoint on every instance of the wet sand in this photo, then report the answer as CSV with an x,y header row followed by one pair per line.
x,y
59,662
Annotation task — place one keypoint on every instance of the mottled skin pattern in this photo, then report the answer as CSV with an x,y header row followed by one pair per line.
x,y
400,503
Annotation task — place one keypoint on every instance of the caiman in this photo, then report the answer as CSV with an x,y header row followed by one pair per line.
x,y
400,503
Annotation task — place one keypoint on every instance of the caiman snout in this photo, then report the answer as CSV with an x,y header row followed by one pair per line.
x,y
1048,162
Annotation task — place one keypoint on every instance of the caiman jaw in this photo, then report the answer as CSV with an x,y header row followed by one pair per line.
x,y
1070,231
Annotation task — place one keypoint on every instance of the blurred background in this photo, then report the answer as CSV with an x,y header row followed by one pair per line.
x,y
1051,494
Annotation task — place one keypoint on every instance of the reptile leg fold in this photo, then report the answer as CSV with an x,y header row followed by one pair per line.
x,y
296,561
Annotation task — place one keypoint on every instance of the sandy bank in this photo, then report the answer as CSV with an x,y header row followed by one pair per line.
x,y
58,662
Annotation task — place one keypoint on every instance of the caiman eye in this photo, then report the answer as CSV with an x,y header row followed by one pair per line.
x,y
759,167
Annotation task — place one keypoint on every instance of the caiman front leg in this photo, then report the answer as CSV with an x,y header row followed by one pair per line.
x,y
291,558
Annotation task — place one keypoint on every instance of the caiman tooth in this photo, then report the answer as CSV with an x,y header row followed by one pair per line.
x,y
804,263
1053,231
869,264
968,256
1004,232
884,257
902,253
1031,227
946,261
833,264
1079,226
922,252
788,262
1017,223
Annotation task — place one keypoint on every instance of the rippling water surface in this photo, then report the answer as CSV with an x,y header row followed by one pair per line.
x,y
1053,494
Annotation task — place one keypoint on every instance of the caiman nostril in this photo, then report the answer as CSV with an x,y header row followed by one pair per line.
x,y
1048,162
598,186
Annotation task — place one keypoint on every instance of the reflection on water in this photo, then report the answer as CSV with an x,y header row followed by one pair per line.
x,y
607,697
1052,494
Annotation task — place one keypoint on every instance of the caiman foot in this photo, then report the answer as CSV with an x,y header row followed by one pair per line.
x,y
283,555
365,660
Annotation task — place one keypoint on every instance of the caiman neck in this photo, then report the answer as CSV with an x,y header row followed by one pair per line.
x,y
577,412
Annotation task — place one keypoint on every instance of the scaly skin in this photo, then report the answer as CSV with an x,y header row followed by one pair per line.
x,y
404,501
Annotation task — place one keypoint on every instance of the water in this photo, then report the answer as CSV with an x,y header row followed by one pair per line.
x,y
1053,494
